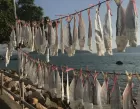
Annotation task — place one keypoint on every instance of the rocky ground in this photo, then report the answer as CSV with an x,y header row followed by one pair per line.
x,y
36,97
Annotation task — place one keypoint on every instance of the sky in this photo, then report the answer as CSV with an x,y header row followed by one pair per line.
x,y
65,7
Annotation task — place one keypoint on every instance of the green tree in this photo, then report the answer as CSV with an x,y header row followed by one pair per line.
x,y
6,19
28,11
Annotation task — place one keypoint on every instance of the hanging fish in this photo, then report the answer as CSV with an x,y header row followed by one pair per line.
x,y
26,35
86,90
72,88
56,41
58,85
18,32
40,76
107,31
75,35
30,37
131,22
46,78
33,38
19,62
52,81
23,62
7,57
115,99
104,90
33,73
51,37
138,93
27,69
61,36
48,36
97,92
73,101
127,94
81,32
67,87
121,38
79,88
44,44
68,96
68,37
62,96
89,31
87,94
99,35
13,37
41,28
23,27
10,47
38,39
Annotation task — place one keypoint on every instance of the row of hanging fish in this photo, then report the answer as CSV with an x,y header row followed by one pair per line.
x,y
82,90
40,37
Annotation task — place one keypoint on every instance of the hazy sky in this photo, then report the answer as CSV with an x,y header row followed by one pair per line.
x,y
65,7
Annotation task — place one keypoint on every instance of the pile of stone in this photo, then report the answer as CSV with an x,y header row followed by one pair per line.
x,y
38,98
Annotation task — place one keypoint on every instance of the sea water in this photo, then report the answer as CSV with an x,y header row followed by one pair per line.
x,y
131,63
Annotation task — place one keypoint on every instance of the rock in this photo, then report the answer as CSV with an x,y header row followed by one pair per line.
x,y
60,108
37,104
119,63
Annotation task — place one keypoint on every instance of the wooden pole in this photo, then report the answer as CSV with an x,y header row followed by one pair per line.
x,y
1,83
18,98
22,92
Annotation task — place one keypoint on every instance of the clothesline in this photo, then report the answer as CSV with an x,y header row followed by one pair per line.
x,y
67,69
69,14
82,10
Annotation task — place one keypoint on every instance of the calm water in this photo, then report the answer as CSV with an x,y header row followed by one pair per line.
x,y
131,63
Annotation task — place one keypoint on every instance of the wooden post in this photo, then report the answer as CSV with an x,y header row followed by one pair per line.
x,y
1,83
22,92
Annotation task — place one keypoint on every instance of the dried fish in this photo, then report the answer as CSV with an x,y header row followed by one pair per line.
x,y
107,32
62,37
121,38
79,88
115,96
75,36
99,35
131,20
81,32
58,84
127,94
68,96
89,32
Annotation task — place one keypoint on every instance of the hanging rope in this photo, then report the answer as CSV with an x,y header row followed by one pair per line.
x,y
81,10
